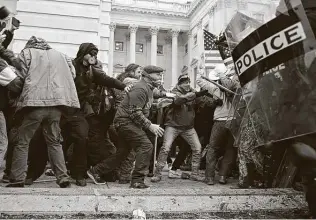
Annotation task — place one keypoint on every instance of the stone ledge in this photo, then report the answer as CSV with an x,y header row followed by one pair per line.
x,y
205,191
98,201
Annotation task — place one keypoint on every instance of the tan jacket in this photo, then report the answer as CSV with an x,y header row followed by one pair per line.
x,y
48,76
224,112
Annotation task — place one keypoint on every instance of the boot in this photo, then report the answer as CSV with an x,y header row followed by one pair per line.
x,y
157,176
209,181
195,173
222,180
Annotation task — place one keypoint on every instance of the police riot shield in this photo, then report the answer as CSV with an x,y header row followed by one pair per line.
x,y
275,63
239,26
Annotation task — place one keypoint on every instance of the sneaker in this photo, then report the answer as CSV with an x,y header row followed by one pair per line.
x,y
81,182
174,174
156,179
139,185
16,185
95,177
5,178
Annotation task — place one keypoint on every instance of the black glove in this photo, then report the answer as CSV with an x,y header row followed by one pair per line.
x,y
16,63
201,93
16,86
219,102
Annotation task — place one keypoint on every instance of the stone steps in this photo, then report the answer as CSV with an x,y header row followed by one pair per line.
x,y
119,203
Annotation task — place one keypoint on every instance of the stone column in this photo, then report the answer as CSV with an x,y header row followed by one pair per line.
x,y
154,32
148,42
175,34
168,62
132,47
190,43
200,37
211,20
111,48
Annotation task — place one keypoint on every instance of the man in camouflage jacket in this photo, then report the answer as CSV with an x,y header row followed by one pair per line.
x,y
131,123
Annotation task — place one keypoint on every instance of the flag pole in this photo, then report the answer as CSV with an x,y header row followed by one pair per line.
x,y
218,85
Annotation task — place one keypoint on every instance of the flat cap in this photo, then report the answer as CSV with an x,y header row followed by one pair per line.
x,y
153,69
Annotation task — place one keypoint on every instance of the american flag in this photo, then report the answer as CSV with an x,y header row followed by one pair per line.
x,y
226,53
212,56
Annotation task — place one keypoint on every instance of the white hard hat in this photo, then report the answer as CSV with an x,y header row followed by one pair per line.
x,y
220,70
213,75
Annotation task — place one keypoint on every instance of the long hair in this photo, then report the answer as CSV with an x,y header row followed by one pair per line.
x,y
127,73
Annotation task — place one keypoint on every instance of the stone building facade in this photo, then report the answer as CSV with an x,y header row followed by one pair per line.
x,y
167,33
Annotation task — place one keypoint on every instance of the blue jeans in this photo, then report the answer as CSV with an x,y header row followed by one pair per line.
x,y
221,140
49,118
3,137
190,136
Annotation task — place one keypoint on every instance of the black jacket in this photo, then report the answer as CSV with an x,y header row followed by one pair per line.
x,y
7,56
89,79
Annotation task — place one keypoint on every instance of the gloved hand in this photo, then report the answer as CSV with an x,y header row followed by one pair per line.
x,y
17,64
170,95
201,93
16,86
219,102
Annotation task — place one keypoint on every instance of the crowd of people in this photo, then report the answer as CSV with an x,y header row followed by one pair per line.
x,y
69,113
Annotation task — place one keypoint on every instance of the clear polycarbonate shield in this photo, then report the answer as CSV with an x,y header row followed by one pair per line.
x,y
238,28
276,67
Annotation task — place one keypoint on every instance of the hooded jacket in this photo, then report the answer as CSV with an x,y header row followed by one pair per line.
x,y
89,79
48,77
181,113
223,112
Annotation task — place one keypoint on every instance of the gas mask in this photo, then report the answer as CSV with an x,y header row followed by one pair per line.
x,y
92,60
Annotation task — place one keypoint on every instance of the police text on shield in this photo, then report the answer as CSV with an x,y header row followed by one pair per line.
x,y
279,41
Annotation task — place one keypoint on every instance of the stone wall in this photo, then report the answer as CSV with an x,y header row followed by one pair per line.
x,y
65,24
